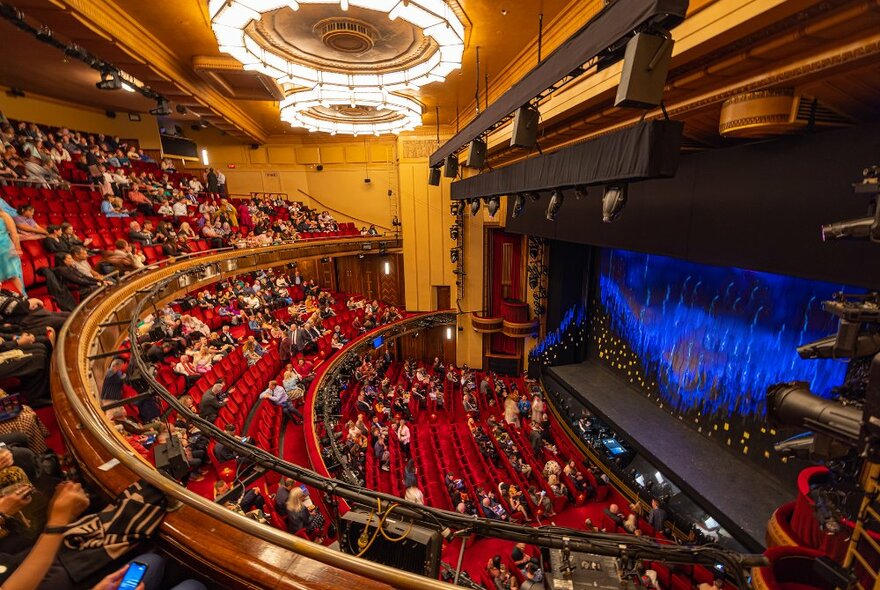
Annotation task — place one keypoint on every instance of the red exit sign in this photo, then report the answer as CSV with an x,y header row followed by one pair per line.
x,y
230,165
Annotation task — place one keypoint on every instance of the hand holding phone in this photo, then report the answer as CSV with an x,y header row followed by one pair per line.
x,y
130,577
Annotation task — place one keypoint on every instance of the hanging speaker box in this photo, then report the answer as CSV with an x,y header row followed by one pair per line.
x,y
645,66
434,176
450,169
476,155
525,127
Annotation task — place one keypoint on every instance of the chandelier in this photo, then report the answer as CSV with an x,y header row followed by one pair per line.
x,y
344,112
233,24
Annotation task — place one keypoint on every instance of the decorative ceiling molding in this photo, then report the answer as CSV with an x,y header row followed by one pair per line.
x,y
216,69
108,20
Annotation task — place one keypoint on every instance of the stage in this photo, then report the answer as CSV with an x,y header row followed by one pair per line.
x,y
734,491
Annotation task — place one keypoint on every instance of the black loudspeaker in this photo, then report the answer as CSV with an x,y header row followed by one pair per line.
x,y
450,168
170,458
525,127
645,66
476,155
418,553
434,177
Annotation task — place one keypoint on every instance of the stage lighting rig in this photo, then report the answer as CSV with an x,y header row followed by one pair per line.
x,y
453,255
453,233
455,208
475,206
492,205
858,333
613,202
110,80
863,228
519,203
555,204
162,108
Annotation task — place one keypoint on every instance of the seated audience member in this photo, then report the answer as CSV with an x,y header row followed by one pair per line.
x,y
276,394
72,277
716,584
280,501
28,228
53,242
534,578
210,404
81,261
110,210
138,235
613,516
70,239
123,258
221,452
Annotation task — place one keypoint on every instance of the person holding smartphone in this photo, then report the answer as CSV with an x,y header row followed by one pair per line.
x,y
68,502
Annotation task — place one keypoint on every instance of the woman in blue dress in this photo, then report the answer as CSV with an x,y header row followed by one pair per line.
x,y
10,252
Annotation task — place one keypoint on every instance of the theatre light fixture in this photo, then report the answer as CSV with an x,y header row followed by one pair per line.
x,y
475,206
492,205
613,202
555,204
453,255
110,80
519,203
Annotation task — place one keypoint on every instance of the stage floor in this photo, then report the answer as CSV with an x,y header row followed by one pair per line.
x,y
743,494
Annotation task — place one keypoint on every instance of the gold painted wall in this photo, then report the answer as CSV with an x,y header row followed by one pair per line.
x,y
426,218
290,165
48,111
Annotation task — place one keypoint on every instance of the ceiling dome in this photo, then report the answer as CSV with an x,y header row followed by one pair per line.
x,y
386,45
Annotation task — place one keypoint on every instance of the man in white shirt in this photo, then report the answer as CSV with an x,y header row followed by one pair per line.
x,y
221,182
195,185
179,208
276,394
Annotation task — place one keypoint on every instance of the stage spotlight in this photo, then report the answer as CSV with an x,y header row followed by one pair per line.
x,y
580,192
110,80
77,52
162,108
556,200
613,202
533,281
866,228
492,204
475,206
453,255
455,208
453,233
519,203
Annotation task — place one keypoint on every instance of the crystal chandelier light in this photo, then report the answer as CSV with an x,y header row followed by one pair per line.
x,y
230,20
390,113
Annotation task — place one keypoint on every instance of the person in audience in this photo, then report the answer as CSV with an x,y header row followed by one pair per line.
x,y
415,495
276,394
114,379
221,452
28,228
138,235
123,258
716,584
381,454
70,274
657,516
10,253
404,437
53,242
81,261
213,400
110,210
534,578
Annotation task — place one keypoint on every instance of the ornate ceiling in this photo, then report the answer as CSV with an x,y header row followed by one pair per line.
x,y
827,50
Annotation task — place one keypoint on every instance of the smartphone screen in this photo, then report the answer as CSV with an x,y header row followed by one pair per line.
x,y
133,576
